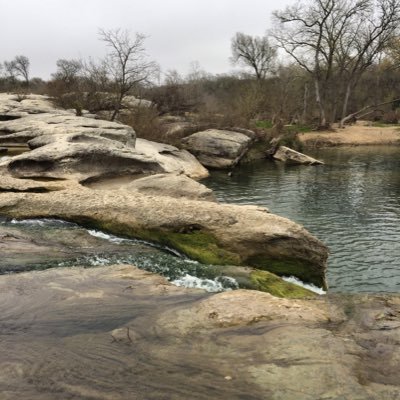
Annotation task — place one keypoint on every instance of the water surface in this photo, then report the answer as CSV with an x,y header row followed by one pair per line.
x,y
352,203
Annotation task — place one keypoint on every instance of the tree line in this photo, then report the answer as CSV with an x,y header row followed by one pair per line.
x,y
324,61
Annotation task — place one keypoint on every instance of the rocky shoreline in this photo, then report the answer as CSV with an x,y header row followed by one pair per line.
x,y
119,332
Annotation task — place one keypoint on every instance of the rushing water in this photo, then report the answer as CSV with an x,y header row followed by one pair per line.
x,y
37,244
352,203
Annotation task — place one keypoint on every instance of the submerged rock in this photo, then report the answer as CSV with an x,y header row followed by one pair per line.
x,y
216,148
288,155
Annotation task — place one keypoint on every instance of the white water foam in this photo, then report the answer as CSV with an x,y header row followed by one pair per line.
x,y
40,222
106,236
309,286
213,286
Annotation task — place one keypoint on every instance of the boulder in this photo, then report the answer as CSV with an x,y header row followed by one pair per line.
x,y
218,148
288,155
212,233
171,185
89,156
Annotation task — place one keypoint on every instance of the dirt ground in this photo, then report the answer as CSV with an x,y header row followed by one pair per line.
x,y
360,133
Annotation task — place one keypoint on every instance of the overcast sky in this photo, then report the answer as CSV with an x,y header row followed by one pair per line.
x,y
179,31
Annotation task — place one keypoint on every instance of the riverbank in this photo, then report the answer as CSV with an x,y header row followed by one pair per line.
x,y
118,332
359,134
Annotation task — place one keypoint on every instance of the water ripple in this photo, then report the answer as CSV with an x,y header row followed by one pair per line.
x,y
352,203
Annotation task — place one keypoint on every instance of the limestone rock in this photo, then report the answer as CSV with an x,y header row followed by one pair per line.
x,y
13,106
134,102
288,155
172,159
172,185
217,148
29,127
10,184
233,345
89,156
213,233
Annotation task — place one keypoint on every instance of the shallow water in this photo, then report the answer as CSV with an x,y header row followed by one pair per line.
x,y
37,244
352,203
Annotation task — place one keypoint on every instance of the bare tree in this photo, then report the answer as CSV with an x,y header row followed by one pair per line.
x,y
9,69
311,33
365,43
68,71
335,41
126,63
254,52
19,67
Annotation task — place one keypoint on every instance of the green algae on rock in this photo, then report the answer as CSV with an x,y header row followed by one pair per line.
x,y
211,233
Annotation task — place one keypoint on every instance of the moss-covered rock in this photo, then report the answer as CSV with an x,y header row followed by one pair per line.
x,y
263,281
211,233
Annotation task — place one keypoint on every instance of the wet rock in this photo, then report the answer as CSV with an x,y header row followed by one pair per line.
x,y
213,233
187,344
218,148
288,155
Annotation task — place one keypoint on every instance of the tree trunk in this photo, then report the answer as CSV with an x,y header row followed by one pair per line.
x,y
322,115
305,104
117,107
345,105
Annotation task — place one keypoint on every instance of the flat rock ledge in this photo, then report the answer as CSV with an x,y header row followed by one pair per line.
x,y
118,332
209,232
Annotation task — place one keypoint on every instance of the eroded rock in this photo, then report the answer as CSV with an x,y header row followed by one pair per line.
x,y
218,148
127,333
179,186
213,233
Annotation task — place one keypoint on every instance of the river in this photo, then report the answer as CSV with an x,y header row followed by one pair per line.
x,y
352,203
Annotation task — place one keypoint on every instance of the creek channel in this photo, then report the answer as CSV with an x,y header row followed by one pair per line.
x,y
352,204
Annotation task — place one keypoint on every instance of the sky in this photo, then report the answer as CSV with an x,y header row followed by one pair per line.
x,y
179,32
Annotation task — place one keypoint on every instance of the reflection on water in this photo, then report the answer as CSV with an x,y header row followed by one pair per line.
x,y
352,203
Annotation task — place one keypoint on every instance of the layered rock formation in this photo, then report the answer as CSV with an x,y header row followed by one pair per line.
x,y
119,333
216,148
78,149
70,147
209,232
